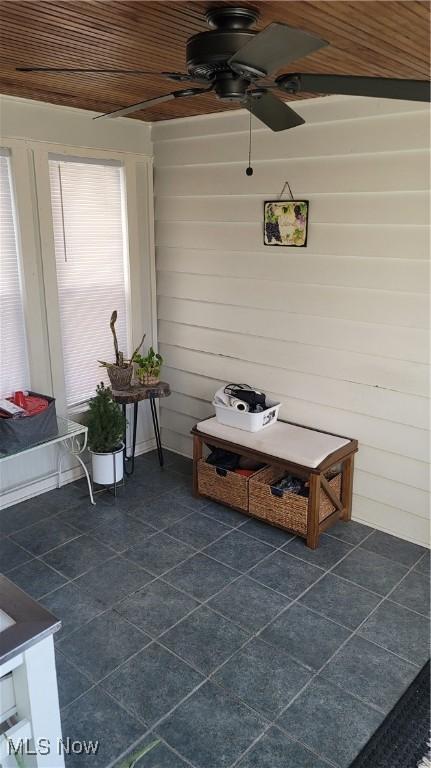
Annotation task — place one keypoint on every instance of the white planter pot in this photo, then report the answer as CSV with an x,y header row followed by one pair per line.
x,y
107,468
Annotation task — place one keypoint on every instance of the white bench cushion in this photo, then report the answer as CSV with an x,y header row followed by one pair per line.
x,y
285,441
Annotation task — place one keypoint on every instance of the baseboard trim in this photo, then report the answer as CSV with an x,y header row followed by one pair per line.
x,y
390,531
47,483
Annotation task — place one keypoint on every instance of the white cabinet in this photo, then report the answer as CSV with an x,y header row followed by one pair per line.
x,y
28,682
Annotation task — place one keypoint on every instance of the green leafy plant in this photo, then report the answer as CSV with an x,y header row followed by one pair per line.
x,y
150,364
132,760
105,422
18,757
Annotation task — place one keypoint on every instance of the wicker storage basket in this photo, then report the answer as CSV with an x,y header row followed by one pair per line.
x,y
222,485
284,509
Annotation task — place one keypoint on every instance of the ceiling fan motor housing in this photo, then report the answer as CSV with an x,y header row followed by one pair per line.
x,y
207,53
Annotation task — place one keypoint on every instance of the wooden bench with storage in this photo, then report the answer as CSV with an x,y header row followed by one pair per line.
x,y
323,460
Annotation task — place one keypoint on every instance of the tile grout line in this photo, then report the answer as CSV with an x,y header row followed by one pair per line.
x,y
252,636
79,533
209,678
157,638
407,608
354,632
286,551
214,671
83,500
116,553
257,634
205,678
115,762
283,547
309,749
90,533
202,551
241,574
318,672
274,722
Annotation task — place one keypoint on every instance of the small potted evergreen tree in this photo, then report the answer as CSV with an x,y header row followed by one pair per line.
x,y
106,427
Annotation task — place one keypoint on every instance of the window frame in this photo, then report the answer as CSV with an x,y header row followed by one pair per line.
x,y
52,270
139,247
25,381
22,178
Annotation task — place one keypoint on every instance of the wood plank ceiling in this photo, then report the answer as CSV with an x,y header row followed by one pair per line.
x,y
372,37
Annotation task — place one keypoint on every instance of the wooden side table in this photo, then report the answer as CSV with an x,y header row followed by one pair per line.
x,y
133,396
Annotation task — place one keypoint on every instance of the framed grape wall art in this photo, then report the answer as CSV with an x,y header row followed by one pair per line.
x,y
286,222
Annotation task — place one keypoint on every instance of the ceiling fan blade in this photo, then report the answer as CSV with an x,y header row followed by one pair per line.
x,y
350,85
178,76
152,102
274,113
274,47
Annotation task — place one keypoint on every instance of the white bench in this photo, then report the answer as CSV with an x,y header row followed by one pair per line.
x,y
300,450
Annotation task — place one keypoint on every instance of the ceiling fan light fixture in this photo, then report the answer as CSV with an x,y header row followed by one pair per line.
x,y
230,87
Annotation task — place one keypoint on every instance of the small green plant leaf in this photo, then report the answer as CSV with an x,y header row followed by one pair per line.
x,y
131,760
150,364
18,758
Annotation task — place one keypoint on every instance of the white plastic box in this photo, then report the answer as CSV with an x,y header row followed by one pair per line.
x,y
250,422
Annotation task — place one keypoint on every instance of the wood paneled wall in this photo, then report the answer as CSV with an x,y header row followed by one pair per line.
x,y
336,331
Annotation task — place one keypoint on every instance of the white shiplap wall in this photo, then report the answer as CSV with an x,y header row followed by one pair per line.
x,y
337,331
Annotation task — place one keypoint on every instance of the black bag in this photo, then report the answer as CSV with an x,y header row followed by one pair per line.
x,y
223,459
21,433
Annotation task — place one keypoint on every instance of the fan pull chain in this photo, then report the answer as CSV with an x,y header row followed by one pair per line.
x,y
249,170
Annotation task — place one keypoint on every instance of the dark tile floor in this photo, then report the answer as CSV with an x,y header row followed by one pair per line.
x,y
227,639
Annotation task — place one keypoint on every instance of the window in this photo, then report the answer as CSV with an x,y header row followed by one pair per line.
x,y
14,374
91,262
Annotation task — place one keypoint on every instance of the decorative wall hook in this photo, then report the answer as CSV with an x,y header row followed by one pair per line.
x,y
286,184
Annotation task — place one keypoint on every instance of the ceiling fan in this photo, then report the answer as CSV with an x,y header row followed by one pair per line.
x,y
230,59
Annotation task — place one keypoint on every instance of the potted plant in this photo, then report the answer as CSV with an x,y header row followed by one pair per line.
x,y
148,367
106,426
120,372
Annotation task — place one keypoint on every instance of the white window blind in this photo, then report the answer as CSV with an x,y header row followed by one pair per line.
x,y
14,374
92,273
